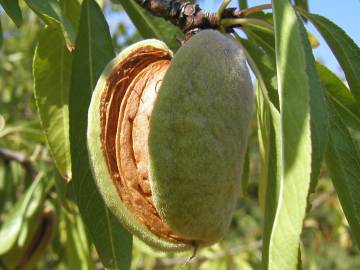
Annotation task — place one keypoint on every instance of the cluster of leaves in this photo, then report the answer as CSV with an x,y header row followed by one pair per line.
x,y
305,114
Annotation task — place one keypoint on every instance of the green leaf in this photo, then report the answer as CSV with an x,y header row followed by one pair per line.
x,y
344,48
63,191
271,146
51,70
299,262
15,174
262,37
243,4
30,224
1,36
50,11
2,184
263,127
271,141
150,26
28,131
303,4
343,163
300,91
269,137
93,51
319,119
12,9
46,224
344,102
5,185
77,249
273,190
71,9
246,174
266,61
13,223
263,65
271,184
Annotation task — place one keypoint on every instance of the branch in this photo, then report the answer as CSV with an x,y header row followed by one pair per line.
x,y
22,159
182,14
190,18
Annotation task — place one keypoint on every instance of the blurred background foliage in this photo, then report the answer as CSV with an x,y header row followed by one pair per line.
x,y
47,232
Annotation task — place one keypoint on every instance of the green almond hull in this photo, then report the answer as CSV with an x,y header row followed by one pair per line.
x,y
198,136
197,141
99,167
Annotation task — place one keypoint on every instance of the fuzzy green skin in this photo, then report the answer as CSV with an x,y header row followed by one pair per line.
x,y
98,162
198,136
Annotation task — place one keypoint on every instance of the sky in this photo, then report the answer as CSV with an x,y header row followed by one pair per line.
x,y
346,15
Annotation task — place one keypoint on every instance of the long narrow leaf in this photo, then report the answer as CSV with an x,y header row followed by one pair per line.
x,y
71,9
12,9
13,223
263,124
243,4
271,136
270,142
50,11
270,145
77,250
265,59
298,87
303,4
4,184
263,65
344,48
246,174
268,132
1,36
343,162
319,121
344,102
269,139
262,37
93,51
52,69
273,184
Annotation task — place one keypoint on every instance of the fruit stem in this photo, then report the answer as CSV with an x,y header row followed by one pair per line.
x,y
226,23
193,255
221,9
245,12
302,12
